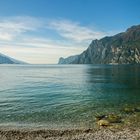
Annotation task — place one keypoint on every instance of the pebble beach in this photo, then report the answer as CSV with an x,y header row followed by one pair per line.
x,y
87,134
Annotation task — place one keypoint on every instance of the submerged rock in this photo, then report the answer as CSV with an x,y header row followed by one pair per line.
x,y
137,109
107,120
128,110
112,118
131,110
103,123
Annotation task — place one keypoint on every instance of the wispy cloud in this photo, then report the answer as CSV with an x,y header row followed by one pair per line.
x,y
13,26
75,31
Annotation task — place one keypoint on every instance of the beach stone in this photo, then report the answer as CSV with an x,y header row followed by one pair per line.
x,y
103,123
112,118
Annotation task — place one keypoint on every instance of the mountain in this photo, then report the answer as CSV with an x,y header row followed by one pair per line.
x,y
8,60
123,48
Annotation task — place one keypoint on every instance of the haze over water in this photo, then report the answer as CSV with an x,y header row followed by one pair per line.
x,y
65,96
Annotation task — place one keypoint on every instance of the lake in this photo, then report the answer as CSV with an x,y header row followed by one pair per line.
x,y
65,96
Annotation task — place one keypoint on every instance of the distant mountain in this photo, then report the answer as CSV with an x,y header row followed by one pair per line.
x,y
8,60
123,48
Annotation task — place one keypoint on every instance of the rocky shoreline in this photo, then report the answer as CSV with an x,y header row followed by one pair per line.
x,y
108,127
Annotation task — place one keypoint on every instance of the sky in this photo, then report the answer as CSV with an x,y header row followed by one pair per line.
x,y
42,31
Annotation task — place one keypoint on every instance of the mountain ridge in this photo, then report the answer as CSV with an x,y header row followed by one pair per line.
x,y
4,59
122,48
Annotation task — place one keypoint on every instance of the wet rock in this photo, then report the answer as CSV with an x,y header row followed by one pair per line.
x,y
103,123
112,118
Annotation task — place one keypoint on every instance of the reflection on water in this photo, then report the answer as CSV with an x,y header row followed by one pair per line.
x,y
65,95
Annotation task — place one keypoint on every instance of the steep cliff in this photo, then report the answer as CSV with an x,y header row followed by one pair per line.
x,y
123,48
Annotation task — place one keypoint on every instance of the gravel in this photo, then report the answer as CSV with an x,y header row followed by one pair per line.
x,y
87,134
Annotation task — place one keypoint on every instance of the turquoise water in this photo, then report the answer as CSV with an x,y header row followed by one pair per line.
x,y
55,96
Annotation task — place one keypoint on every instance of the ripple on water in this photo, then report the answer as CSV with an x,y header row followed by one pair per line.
x,y
67,95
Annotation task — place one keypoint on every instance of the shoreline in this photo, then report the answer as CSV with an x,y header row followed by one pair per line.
x,y
101,133
127,129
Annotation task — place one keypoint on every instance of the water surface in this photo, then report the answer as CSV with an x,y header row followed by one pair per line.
x,y
65,95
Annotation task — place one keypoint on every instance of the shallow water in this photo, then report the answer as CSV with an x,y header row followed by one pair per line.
x,y
60,96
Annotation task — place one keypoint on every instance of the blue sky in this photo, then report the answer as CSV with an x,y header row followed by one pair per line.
x,y
41,31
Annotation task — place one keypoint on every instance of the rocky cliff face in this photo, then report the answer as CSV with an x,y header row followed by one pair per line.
x,y
8,60
123,48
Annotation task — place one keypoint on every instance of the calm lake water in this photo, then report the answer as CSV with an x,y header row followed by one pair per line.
x,y
55,96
